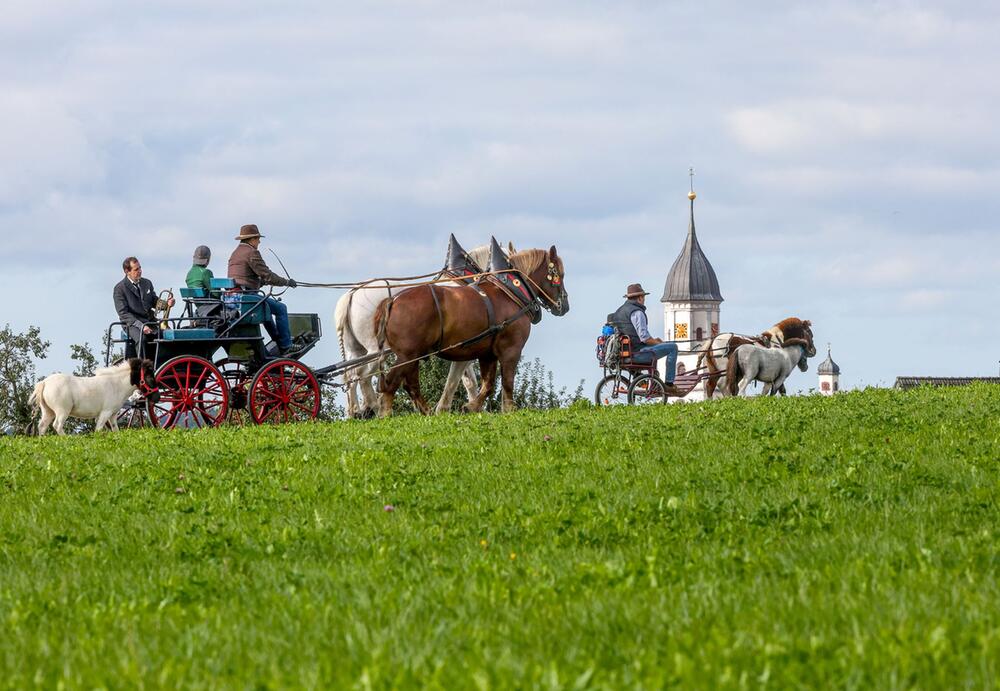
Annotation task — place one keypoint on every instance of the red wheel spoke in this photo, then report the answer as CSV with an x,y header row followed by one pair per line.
x,y
274,409
204,371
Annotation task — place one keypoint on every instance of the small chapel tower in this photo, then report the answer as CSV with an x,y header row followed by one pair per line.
x,y
691,300
829,375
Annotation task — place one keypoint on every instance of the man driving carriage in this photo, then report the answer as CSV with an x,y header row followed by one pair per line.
x,y
248,269
135,303
630,320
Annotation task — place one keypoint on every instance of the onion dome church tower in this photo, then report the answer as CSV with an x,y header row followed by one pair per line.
x,y
829,375
691,300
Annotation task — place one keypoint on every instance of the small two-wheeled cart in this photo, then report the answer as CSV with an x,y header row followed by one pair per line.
x,y
630,377
212,364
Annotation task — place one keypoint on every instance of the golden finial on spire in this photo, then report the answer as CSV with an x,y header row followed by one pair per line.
x,y
691,194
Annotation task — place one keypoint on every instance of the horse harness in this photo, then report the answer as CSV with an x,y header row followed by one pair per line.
x,y
517,290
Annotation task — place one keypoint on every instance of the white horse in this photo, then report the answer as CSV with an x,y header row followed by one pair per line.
x,y
354,316
99,397
752,362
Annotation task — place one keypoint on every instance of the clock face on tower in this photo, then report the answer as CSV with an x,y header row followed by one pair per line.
x,y
680,331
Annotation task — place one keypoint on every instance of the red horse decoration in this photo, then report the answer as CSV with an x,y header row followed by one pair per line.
x,y
489,322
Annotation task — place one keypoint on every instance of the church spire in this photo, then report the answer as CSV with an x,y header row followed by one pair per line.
x,y
691,277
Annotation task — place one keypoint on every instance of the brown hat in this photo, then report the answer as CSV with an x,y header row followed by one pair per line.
x,y
249,231
634,291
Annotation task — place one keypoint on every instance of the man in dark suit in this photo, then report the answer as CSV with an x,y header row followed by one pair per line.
x,y
135,302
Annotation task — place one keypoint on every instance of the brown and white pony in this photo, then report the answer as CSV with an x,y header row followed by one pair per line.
x,y
427,319
715,352
768,364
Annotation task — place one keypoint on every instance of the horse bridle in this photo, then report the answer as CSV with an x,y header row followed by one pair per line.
x,y
555,280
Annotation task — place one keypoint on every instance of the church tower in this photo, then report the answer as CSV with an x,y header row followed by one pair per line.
x,y
829,375
691,300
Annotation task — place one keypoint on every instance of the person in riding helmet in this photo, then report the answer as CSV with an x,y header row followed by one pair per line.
x,y
199,275
630,320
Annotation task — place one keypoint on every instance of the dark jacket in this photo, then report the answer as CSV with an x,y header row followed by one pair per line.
x,y
135,307
248,269
621,319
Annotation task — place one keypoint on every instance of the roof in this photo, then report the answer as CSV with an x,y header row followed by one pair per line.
x,y
692,276
828,366
914,382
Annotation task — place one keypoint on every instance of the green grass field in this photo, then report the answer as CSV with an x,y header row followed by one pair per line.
x,y
849,542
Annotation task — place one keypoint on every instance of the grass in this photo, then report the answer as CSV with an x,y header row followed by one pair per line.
x,y
845,542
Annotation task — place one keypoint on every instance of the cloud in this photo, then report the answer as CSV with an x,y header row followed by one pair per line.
x,y
846,153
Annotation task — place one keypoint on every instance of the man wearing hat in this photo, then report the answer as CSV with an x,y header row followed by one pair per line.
x,y
199,275
250,272
630,320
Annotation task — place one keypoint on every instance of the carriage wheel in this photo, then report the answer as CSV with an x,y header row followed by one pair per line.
x,y
132,416
234,371
611,390
646,389
284,391
193,394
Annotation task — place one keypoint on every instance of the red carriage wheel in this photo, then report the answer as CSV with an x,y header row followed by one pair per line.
x,y
284,391
193,394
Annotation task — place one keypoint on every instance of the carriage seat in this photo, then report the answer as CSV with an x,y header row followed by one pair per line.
x,y
193,334
640,358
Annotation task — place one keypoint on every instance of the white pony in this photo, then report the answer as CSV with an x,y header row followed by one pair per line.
x,y
354,316
101,396
752,362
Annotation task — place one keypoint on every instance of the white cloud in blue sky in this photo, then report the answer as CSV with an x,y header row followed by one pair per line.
x,y
846,156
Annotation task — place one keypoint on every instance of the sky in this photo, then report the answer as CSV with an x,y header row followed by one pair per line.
x,y
846,158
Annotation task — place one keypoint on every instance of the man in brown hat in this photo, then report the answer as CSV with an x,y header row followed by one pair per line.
x,y
248,269
630,320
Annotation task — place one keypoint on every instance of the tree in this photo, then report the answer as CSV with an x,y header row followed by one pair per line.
x,y
18,352
85,356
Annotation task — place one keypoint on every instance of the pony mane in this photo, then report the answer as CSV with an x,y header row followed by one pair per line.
x,y
114,369
793,327
526,261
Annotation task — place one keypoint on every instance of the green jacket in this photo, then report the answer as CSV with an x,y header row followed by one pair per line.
x,y
199,277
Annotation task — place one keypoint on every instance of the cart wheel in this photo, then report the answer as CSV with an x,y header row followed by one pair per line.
x,y
234,371
284,391
646,389
611,390
193,394
132,416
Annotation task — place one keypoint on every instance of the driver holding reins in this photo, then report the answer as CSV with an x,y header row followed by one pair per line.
x,y
249,270
630,320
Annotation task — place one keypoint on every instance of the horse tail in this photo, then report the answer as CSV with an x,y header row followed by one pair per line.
x,y
382,321
705,354
35,400
734,372
341,315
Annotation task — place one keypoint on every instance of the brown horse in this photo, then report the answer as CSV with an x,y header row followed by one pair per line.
x,y
489,323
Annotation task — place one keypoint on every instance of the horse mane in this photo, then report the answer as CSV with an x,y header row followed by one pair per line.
x,y
793,327
114,369
526,261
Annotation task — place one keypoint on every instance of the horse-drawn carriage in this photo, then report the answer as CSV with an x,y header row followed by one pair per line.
x,y
630,375
212,363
